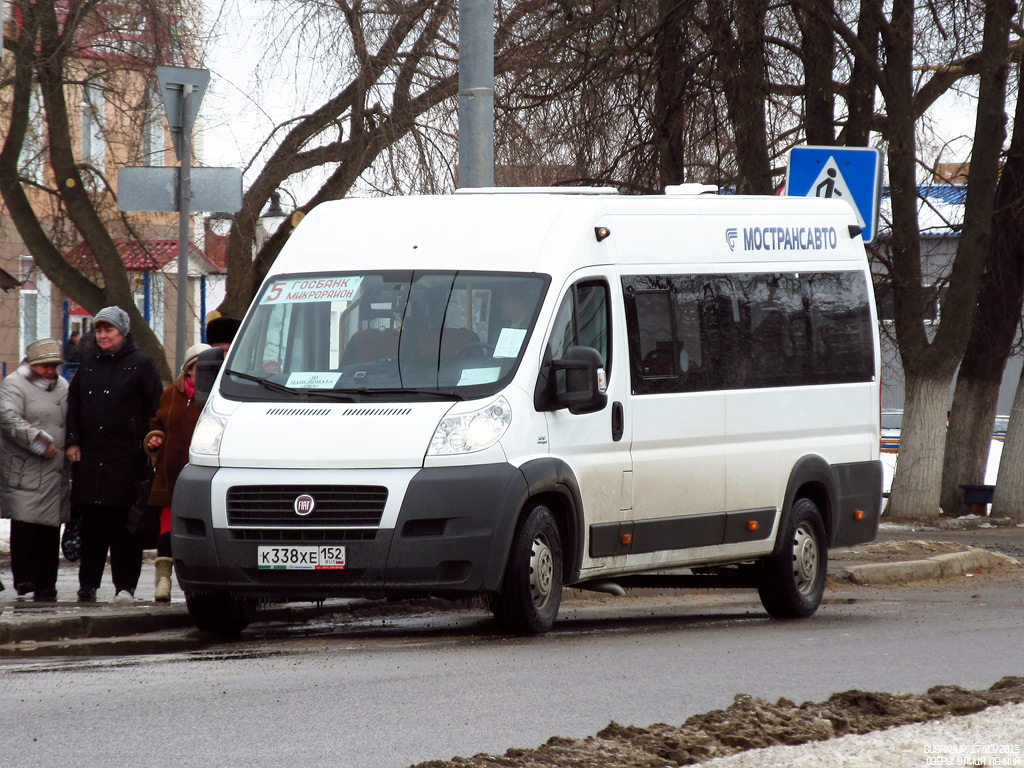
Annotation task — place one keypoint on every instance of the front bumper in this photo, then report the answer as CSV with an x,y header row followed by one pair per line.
x,y
450,533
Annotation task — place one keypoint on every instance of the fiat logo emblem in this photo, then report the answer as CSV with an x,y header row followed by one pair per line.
x,y
304,504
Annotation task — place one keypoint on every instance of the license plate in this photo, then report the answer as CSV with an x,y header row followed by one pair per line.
x,y
323,558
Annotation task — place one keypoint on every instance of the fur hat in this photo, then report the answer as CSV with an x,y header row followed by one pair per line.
x,y
192,354
43,351
114,316
222,330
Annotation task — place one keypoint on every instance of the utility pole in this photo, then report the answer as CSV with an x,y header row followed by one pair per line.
x,y
180,189
184,199
476,93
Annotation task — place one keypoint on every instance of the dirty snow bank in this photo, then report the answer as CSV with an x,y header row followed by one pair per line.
x,y
765,732
993,737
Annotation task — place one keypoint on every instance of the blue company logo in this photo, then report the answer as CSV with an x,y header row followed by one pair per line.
x,y
784,238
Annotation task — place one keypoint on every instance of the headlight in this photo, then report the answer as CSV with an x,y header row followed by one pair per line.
x,y
208,433
470,432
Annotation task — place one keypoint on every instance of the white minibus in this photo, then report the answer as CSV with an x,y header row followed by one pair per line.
x,y
503,392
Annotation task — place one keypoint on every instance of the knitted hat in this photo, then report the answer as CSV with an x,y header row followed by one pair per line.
x,y
114,316
192,354
43,351
221,330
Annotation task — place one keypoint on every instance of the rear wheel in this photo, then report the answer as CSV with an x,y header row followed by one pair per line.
x,y
792,582
531,591
220,612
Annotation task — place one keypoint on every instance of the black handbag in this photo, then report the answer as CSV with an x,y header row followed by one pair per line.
x,y
71,539
144,520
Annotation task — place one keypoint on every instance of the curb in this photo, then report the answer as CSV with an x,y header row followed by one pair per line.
x,y
937,567
124,625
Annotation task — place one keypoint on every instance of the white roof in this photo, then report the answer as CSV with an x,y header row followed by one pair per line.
x,y
532,231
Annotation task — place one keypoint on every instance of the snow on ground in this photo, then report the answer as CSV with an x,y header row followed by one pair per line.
x,y
993,737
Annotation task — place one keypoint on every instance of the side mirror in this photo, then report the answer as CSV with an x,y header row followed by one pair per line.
x,y
578,380
207,367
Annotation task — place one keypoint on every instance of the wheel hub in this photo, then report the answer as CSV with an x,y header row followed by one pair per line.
x,y
542,571
805,559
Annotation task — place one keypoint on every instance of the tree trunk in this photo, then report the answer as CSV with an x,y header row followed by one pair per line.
x,y
1009,495
817,47
862,87
673,76
915,490
995,325
969,434
745,86
929,365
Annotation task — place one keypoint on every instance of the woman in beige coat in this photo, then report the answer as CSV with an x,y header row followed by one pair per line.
x,y
34,491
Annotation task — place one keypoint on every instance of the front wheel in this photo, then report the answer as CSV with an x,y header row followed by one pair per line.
x,y
219,612
531,590
792,582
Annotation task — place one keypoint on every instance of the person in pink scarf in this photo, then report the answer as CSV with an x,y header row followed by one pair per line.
x,y
168,441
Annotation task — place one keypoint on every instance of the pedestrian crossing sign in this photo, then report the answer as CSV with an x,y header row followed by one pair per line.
x,y
853,174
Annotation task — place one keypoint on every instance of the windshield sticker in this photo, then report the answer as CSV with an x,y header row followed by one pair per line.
x,y
471,376
309,289
313,380
510,341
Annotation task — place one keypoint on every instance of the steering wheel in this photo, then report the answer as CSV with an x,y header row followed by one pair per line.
x,y
477,349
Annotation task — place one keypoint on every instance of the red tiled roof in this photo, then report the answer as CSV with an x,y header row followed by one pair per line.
x,y
142,256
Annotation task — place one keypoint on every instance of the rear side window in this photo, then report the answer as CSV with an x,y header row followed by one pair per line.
x,y
692,333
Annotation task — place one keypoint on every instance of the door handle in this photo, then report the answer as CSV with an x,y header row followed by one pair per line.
x,y
618,421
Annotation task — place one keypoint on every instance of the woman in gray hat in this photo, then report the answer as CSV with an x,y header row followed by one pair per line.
x,y
112,397
34,480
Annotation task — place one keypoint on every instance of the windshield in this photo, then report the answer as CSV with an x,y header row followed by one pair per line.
x,y
403,335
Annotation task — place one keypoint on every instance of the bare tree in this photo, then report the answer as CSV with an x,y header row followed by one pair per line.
x,y
996,321
929,364
394,110
81,49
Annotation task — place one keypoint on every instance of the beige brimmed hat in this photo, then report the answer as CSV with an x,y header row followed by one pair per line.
x,y
44,351
192,354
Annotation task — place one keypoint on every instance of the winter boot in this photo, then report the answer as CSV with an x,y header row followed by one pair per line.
x,y
163,580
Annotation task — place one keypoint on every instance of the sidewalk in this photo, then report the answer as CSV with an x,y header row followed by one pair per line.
x,y
901,554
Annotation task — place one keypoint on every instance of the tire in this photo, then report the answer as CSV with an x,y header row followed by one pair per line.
x,y
531,590
219,612
792,583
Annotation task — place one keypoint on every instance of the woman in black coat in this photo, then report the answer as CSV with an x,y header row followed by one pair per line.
x,y
114,393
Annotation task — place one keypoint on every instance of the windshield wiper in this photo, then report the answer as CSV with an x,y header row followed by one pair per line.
x,y
273,386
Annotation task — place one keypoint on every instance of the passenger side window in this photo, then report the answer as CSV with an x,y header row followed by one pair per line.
x,y
745,331
582,321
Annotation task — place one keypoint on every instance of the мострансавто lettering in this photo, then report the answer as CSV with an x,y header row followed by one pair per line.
x,y
789,238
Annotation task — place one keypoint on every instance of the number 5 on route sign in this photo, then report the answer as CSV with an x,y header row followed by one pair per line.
x,y
853,174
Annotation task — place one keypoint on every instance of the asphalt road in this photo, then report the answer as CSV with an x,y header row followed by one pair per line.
x,y
391,691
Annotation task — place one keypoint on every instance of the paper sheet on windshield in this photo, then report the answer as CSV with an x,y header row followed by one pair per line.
x,y
312,380
472,376
510,341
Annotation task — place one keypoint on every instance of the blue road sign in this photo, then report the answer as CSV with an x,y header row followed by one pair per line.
x,y
853,174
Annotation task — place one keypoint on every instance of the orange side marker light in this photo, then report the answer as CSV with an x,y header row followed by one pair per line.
x,y
858,515
627,538
751,525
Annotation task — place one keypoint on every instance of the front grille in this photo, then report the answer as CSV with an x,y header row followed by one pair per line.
x,y
333,505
